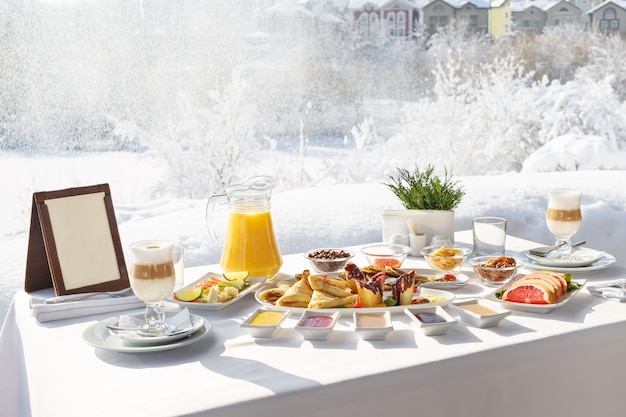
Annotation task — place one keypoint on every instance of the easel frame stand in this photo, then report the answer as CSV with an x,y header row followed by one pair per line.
x,y
74,244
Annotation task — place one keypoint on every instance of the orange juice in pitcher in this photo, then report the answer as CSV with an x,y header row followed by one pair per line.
x,y
250,244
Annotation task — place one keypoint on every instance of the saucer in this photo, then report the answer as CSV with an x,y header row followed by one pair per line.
x,y
590,260
99,336
132,336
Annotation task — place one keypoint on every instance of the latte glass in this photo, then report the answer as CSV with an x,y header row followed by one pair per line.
x,y
563,218
152,279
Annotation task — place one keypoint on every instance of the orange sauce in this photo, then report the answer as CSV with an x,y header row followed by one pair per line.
x,y
371,321
478,309
250,245
267,318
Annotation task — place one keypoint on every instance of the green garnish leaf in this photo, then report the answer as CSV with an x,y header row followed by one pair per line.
x,y
571,285
390,302
499,293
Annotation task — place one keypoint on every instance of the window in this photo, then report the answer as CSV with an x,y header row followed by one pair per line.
x,y
473,21
609,20
391,24
609,13
363,24
439,17
374,23
432,22
402,24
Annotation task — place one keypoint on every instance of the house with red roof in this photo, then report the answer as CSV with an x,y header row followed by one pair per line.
x,y
397,19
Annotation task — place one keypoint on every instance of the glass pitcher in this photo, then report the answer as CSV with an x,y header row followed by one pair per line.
x,y
250,244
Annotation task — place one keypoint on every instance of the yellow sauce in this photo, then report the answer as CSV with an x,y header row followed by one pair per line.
x,y
371,321
250,245
478,309
267,318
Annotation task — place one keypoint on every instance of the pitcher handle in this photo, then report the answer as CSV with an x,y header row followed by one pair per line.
x,y
210,207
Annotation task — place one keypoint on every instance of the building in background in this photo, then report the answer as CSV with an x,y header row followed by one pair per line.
x,y
609,17
479,16
383,20
532,16
396,19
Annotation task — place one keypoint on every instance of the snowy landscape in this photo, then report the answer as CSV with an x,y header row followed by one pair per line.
x,y
171,104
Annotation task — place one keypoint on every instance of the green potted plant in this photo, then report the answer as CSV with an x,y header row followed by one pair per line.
x,y
429,201
422,189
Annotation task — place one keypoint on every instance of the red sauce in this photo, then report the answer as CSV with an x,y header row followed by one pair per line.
x,y
317,321
429,318
383,262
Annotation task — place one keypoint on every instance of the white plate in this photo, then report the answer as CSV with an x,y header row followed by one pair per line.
x,y
584,257
534,308
196,323
603,262
443,297
99,336
254,284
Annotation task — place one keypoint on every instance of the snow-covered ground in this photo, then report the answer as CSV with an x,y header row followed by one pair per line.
x,y
306,218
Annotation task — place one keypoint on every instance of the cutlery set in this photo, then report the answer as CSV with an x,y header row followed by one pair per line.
x,y
546,251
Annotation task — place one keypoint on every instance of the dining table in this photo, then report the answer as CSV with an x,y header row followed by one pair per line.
x,y
570,361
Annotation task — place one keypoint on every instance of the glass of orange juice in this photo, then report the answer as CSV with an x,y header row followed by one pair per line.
x,y
250,244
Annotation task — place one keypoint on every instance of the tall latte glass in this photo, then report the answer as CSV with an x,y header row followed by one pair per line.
x,y
152,279
563,218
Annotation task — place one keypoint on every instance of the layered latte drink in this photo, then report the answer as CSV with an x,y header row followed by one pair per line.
x,y
152,274
563,219
563,216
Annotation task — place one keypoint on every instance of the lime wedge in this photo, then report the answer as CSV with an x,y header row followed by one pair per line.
x,y
232,276
188,294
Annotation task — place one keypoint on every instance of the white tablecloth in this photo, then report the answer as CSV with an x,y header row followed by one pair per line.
x,y
568,362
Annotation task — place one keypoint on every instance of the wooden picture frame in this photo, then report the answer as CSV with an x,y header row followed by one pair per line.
x,y
74,244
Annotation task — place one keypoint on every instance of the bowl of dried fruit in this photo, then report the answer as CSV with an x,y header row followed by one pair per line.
x,y
494,270
328,260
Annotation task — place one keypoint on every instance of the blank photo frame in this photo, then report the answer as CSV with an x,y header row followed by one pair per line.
x,y
74,244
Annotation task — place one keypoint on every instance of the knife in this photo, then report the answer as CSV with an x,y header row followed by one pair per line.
x,y
435,284
69,298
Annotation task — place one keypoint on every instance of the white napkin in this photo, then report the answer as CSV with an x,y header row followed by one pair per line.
x,y
96,305
181,320
613,290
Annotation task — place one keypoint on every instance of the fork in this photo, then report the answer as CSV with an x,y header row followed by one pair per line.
x,y
67,299
543,254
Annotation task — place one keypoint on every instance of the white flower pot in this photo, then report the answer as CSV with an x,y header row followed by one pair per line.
x,y
429,222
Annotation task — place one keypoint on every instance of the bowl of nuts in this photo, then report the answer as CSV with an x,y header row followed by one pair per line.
x,y
328,260
494,270
445,258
